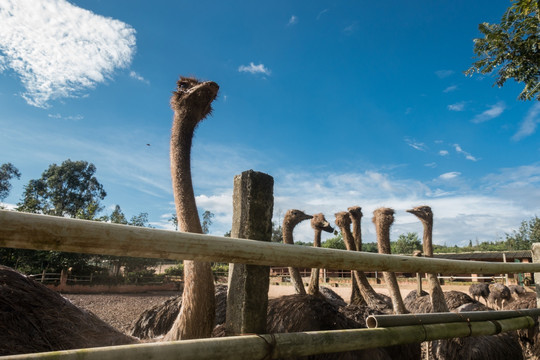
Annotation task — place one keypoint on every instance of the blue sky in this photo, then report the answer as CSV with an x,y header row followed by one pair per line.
x,y
344,103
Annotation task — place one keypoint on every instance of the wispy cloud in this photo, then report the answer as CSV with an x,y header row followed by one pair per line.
x,y
450,89
321,13
415,144
449,175
443,152
460,106
293,20
136,76
493,112
351,29
468,156
254,69
58,49
444,73
529,124
68,117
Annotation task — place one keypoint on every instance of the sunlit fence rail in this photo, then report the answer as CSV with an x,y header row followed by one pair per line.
x,y
30,231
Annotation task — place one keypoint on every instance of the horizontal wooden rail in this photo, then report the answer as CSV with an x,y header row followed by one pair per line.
x,y
40,232
374,321
285,345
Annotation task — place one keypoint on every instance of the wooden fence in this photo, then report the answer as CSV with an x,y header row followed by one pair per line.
x,y
31,231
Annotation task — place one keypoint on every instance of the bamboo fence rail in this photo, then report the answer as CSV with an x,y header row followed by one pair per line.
x,y
40,232
285,345
374,321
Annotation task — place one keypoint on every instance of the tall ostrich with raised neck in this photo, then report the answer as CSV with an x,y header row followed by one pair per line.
x,y
425,215
292,218
369,296
383,219
191,103
500,346
319,224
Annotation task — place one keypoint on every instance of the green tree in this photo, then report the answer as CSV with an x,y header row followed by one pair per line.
x,y
512,48
277,233
70,189
406,244
525,236
174,220
207,217
7,172
335,242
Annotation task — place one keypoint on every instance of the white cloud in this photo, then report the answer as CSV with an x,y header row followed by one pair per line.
x,y
468,156
432,165
322,13
460,106
136,76
415,144
443,153
450,89
444,73
349,30
292,21
58,49
69,117
493,112
449,175
254,69
529,124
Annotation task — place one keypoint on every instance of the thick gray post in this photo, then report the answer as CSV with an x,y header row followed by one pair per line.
x,y
536,259
247,298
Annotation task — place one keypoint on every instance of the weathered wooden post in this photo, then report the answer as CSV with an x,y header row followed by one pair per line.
x,y
536,259
247,298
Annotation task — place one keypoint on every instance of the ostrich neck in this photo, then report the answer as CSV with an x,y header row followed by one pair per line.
x,y
428,238
196,317
436,294
296,278
383,243
357,233
186,208
313,287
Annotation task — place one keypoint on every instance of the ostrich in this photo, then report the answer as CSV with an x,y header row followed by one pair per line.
x,y
319,224
501,346
382,301
191,103
425,215
499,295
34,318
479,290
292,218
383,219
517,290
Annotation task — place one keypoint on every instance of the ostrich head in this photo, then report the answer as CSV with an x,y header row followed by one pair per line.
x,y
194,98
343,219
355,211
422,212
293,217
318,222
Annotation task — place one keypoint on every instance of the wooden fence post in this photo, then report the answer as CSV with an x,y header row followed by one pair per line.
x,y
536,259
247,298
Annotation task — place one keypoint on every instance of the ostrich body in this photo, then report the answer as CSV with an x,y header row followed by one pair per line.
x,y
499,295
292,218
34,318
319,224
479,290
191,103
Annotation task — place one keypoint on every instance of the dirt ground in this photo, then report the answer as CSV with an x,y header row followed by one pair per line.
x,y
121,310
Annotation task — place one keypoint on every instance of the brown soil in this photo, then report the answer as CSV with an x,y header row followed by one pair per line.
x,y
121,310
